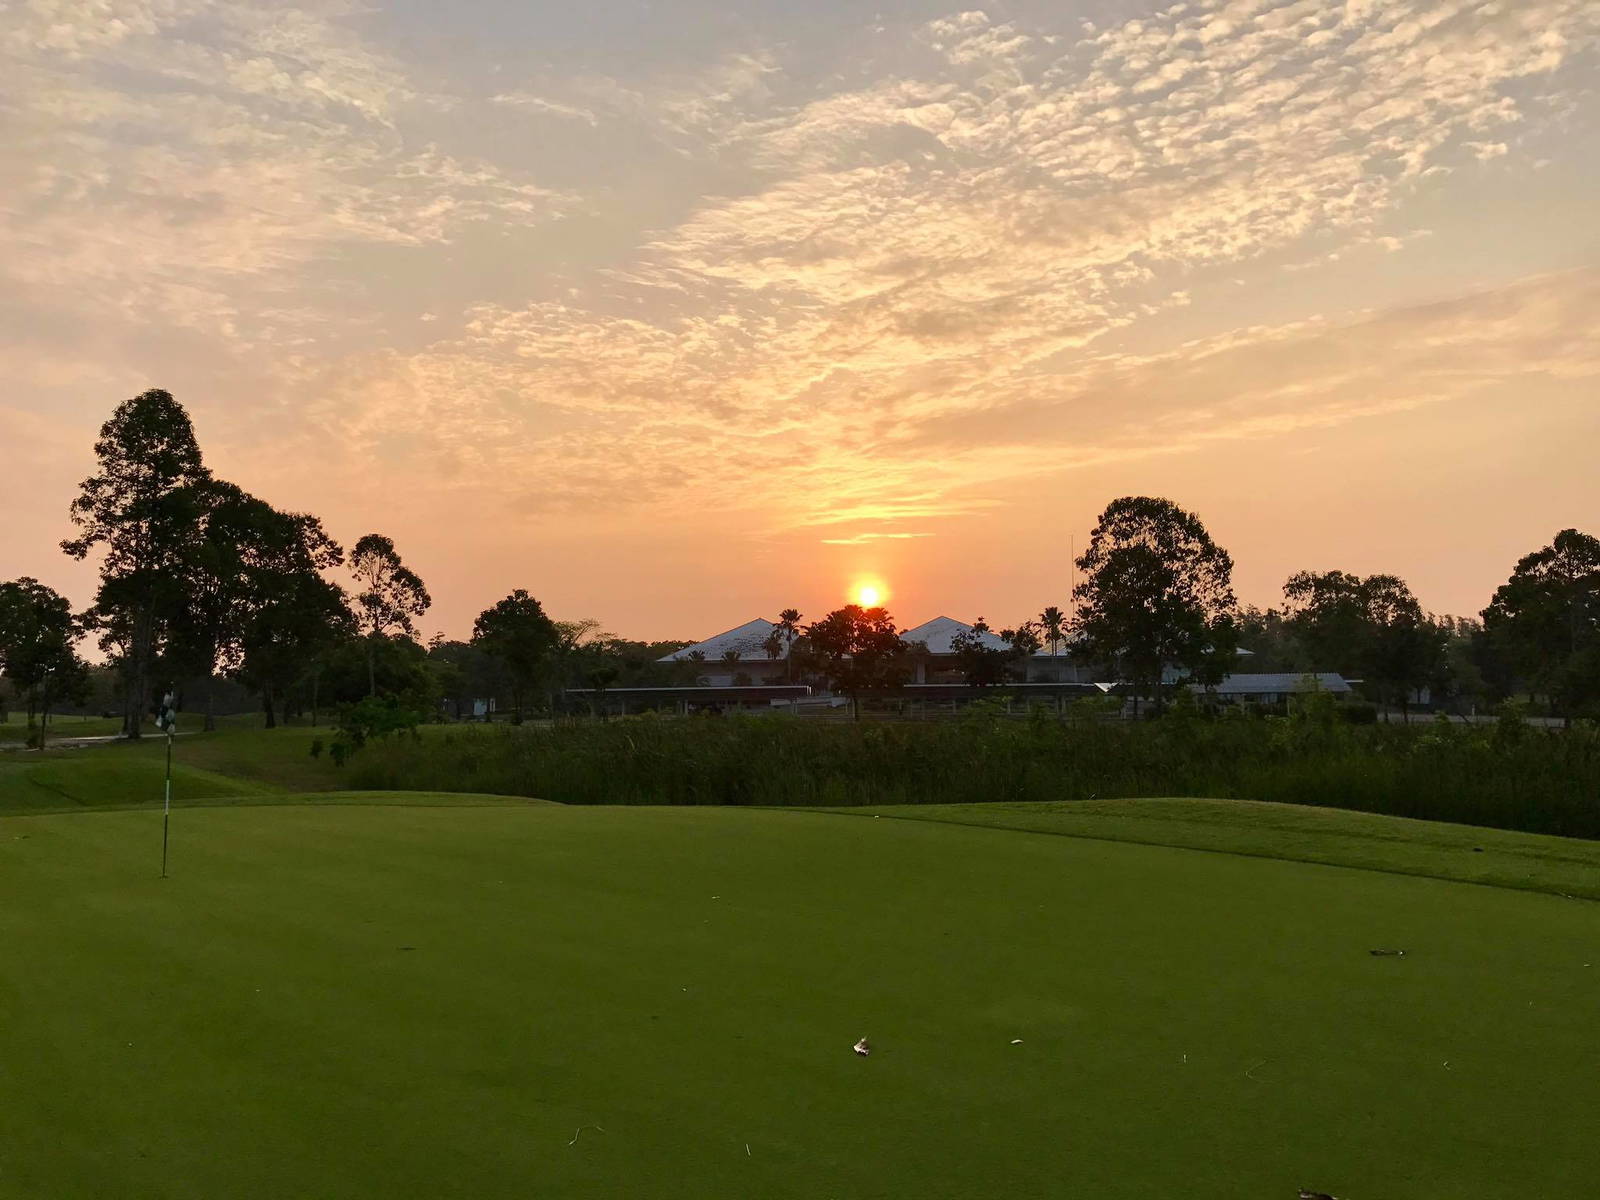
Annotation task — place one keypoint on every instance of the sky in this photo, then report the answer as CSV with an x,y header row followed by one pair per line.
x,y
678,313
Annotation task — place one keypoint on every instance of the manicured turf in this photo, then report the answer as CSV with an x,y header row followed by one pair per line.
x,y
231,764
1336,837
354,1001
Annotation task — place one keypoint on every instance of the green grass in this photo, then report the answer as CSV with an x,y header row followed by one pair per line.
x,y
365,1001
233,763
1463,853
14,729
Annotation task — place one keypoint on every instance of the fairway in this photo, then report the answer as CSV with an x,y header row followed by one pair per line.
x,y
371,1001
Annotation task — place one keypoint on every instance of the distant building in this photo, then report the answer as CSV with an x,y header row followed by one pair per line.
x,y
752,660
744,667
1271,688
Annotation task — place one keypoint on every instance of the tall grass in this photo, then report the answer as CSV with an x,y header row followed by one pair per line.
x,y
1509,777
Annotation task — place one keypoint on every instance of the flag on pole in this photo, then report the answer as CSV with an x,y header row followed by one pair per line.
x,y
167,722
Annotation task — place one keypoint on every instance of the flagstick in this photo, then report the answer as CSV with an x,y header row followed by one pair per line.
x,y
166,809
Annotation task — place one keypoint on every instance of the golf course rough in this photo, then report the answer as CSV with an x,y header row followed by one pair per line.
x,y
532,1001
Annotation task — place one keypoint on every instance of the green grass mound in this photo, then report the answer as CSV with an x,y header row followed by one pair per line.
x,y
1299,833
506,1000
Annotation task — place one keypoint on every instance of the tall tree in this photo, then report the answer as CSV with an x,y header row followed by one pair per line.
x,y
142,507
518,633
789,630
291,617
1546,620
1053,627
243,562
859,650
38,634
1372,627
981,663
1156,590
389,594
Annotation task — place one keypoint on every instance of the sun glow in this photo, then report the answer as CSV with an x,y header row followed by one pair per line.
x,y
870,595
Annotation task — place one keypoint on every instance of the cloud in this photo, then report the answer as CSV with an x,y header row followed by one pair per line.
x,y
862,539
187,163
941,250
899,289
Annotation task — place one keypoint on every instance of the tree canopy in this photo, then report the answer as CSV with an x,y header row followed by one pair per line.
x,y
142,510
1546,620
1372,628
518,633
389,594
38,634
1156,590
858,649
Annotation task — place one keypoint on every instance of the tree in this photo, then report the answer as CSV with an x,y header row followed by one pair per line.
x,y
574,641
141,507
292,617
1053,627
1330,616
1371,627
1156,590
38,634
789,629
390,595
981,663
1546,620
859,650
247,559
517,632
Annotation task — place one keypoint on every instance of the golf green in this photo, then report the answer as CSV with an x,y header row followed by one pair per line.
x,y
491,1001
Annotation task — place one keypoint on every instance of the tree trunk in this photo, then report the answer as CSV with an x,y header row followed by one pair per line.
x,y
266,704
210,725
139,651
316,679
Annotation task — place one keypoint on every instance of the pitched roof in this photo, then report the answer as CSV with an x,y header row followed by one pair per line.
x,y
939,635
746,639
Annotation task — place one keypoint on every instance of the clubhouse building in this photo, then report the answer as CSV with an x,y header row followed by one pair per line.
x,y
747,668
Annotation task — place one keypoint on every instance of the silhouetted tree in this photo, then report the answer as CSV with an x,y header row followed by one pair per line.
x,y
1546,620
1053,627
859,650
389,594
293,617
1156,590
142,508
789,629
38,634
981,663
517,632
1370,627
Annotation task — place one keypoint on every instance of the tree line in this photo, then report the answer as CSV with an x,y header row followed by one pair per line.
x,y
1156,609
202,583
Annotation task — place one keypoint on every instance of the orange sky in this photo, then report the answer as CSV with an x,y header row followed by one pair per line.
x,y
682,320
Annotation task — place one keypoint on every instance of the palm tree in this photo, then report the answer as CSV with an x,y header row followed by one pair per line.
x,y
1054,624
789,629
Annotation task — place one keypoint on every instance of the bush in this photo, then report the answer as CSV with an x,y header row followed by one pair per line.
x,y
1536,780
1359,712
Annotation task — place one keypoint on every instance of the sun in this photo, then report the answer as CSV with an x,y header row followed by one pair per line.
x,y
869,595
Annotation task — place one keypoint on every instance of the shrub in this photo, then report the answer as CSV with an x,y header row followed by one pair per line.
x,y
1542,781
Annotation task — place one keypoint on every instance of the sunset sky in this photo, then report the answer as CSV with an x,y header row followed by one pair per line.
x,y
679,313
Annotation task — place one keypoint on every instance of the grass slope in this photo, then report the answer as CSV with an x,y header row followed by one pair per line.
x,y
231,764
373,1001
1336,837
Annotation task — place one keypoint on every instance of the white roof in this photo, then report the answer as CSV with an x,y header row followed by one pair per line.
x,y
747,639
939,635
1283,683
